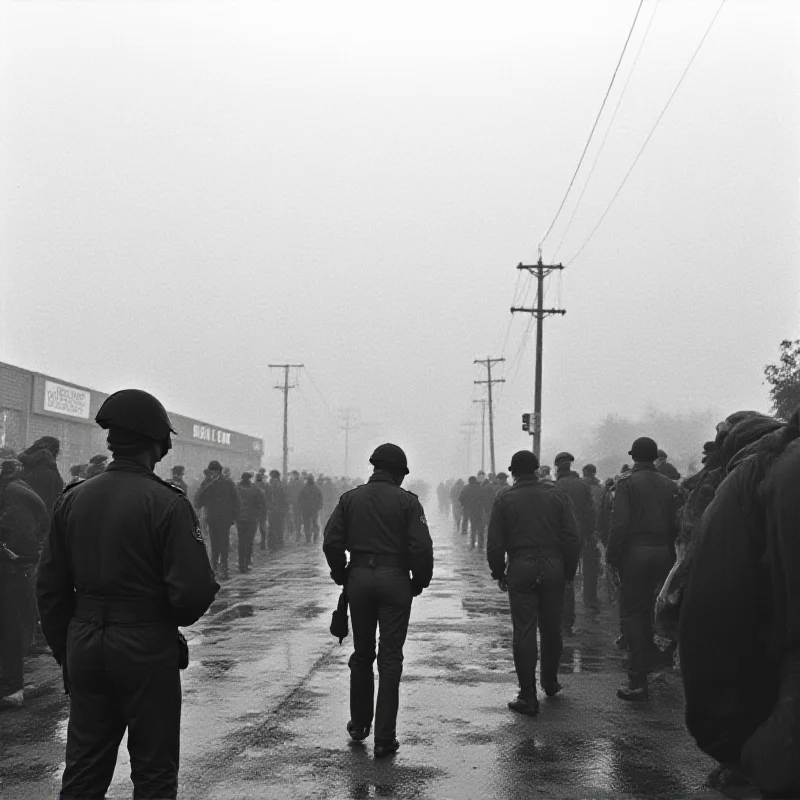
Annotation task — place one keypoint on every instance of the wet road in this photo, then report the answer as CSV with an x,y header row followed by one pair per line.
x,y
265,703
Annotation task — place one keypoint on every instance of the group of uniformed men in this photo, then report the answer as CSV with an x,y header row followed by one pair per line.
x,y
124,565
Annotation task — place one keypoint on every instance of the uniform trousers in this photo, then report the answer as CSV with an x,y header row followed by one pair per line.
x,y
262,530
17,624
380,599
277,520
219,534
476,527
590,567
457,513
122,677
642,570
246,531
310,524
536,597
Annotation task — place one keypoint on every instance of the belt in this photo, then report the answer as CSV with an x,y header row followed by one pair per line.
x,y
522,553
378,560
120,610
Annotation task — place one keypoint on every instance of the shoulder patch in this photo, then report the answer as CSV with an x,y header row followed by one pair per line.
x,y
411,493
176,489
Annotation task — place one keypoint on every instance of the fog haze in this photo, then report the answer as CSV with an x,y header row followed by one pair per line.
x,y
192,191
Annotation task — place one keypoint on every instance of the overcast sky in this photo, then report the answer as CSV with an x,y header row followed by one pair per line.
x,y
193,190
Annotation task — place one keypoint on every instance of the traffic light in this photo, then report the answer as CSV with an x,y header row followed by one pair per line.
x,y
526,422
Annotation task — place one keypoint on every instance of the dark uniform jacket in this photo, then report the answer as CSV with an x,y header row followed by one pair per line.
x,y
124,536
23,521
41,473
471,497
645,511
377,518
739,633
252,505
220,500
277,494
668,470
579,493
310,498
533,518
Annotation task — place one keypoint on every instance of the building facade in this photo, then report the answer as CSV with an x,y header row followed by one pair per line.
x,y
34,405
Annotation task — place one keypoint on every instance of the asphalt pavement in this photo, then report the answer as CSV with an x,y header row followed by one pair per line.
x,y
266,702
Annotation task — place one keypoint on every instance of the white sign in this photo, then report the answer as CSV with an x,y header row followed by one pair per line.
x,y
68,400
213,435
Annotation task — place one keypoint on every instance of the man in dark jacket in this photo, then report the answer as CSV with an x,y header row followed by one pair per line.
x,y
590,556
251,506
739,629
220,499
40,472
294,519
665,468
178,478
278,508
384,529
641,546
455,503
569,482
262,486
310,503
534,525
124,565
471,500
23,526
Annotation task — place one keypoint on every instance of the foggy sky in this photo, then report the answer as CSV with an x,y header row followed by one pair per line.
x,y
194,190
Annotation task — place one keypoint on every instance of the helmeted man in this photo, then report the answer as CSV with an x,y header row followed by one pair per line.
x,y
310,503
278,506
219,497
641,546
294,517
533,525
590,556
40,472
23,526
251,506
502,485
123,566
177,479
568,481
665,468
471,500
384,529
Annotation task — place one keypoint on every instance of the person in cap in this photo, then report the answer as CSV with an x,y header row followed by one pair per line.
x,y
278,508
112,621
262,485
544,474
177,478
23,526
568,481
294,517
251,507
471,500
40,471
97,465
590,555
641,546
384,529
310,502
502,485
533,529
665,468
75,472
220,499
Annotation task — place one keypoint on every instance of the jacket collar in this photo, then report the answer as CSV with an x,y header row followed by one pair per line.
x,y
644,465
526,480
126,465
381,476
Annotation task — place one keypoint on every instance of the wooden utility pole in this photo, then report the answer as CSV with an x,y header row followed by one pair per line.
x,y
541,271
482,401
347,426
488,362
468,426
285,389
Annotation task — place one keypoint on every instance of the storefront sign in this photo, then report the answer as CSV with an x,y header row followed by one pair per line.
x,y
61,399
212,435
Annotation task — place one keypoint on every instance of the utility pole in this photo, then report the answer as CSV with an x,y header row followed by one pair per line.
x,y
285,389
482,401
488,362
347,426
541,271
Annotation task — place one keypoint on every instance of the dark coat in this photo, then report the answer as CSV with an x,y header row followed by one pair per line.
x,y
579,493
252,506
739,631
24,520
220,500
40,472
531,518
310,498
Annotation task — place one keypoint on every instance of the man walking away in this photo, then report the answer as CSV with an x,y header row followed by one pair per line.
x,y
578,492
455,503
471,499
534,526
277,510
40,470
384,529
310,503
590,556
641,545
263,486
219,497
251,505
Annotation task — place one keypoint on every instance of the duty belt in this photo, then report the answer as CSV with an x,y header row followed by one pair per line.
x,y
378,560
104,611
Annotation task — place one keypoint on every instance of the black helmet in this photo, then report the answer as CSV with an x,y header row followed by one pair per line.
x,y
390,457
137,411
644,449
591,469
523,462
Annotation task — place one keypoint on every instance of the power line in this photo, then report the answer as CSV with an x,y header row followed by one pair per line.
x,y
594,127
649,136
608,129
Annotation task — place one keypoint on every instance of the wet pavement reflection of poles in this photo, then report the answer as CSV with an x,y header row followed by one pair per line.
x,y
266,702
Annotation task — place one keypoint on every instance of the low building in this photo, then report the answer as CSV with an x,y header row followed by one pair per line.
x,y
34,405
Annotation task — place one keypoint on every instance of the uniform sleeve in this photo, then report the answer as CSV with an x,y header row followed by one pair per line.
x,y
620,521
55,590
334,544
420,547
191,587
569,539
496,542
